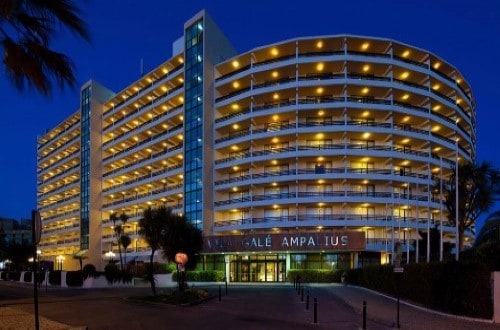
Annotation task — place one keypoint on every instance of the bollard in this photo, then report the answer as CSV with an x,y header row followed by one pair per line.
x,y
315,310
298,289
307,301
226,287
364,314
219,293
302,294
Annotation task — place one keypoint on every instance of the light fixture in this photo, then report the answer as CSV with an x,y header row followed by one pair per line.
x,y
274,52
276,96
436,65
365,46
366,68
274,74
236,84
320,66
365,90
235,64
235,106
406,97
319,44
405,75
406,53
319,90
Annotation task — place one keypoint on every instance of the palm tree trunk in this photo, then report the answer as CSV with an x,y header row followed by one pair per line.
x,y
151,276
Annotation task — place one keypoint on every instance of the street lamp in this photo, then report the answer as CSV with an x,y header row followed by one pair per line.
x,y
60,259
110,255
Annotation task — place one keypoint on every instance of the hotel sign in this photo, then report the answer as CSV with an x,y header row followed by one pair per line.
x,y
327,241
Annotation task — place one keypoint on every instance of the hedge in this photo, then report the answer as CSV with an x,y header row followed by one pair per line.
x,y
74,278
202,276
55,277
315,275
460,288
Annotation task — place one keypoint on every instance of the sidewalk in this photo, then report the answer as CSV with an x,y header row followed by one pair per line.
x,y
382,309
13,318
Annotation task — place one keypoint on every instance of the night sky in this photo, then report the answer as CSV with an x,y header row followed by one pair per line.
x,y
463,33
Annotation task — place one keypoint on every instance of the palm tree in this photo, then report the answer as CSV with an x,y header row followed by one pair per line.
x,y
476,184
125,242
26,30
152,227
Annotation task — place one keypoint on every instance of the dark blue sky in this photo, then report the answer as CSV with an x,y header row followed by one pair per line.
x,y
464,33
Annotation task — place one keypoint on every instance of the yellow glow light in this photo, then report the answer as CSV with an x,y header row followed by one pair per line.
x,y
321,204
405,163
235,168
320,136
319,90
406,118
365,181
274,52
236,84
321,158
275,140
275,117
235,188
366,68
436,65
319,44
234,148
274,184
459,101
405,141
181,99
275,206
180,59
321,113
365,159
365,46
436,128
406,53
366,135
365,113
274,162
235,106
405,75
437,149
320,66
436,107
365,90
235,64
274,74
406,97
436,87
276,96
321,181
236,126
459,80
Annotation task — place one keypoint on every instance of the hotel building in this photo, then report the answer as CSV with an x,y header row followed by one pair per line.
x,y
315,152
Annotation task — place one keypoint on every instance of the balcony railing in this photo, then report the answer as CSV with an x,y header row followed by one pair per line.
x,y
143,177
65,131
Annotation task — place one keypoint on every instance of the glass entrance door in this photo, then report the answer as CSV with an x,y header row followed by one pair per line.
x,y
258,268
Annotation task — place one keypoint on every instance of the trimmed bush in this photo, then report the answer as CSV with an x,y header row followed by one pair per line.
x,y
27,277
74,278
55,277
89,270
461,288
202,276
111,272
141,270
315,275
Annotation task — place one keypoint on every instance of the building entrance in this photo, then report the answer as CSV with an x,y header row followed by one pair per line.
x,y
258,268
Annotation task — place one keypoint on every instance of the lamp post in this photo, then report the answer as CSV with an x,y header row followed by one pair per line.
x,y
110,255
60,259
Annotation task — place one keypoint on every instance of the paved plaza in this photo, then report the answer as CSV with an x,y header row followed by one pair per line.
x,y
249,306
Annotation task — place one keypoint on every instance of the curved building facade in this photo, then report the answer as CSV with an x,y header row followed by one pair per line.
x,y
319,152
339,133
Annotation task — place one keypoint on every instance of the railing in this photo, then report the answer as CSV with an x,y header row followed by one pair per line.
x,y
46,143
331,146
142,177
228,96
58,189
151,138
59,174
232,73
142,91
407,83
324,170
60,215
63,159
402,59
410,106
59,202
142,195
304,218
163,115
143,160
60,229
327,194
58,148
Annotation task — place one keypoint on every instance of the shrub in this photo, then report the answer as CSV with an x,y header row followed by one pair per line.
x,y
461,288
111,273
89,270
202,276
74,278
141,270
55,277
27,277
315,275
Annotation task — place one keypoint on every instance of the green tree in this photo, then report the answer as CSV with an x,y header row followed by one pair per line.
x,y
476,184
181,236
27,28
119,229
3,244
152,227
